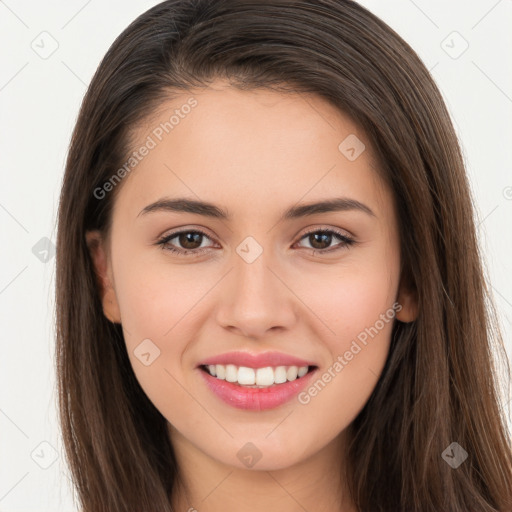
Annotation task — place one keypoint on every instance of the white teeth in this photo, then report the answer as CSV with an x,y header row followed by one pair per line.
x,y
265,376
302,371
231,373
246,376
259,377
291,373
220,371
280,374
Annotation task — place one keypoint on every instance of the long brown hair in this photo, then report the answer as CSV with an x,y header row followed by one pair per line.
x,y
440,383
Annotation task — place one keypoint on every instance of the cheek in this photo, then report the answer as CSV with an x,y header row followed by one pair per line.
x,y
341,390
357,316
349,300
160,303
153,296
359,312
154,306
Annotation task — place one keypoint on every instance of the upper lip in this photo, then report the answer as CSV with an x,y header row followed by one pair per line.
x,y
260,360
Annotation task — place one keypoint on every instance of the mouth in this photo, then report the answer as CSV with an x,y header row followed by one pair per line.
x,y
256,389
265,377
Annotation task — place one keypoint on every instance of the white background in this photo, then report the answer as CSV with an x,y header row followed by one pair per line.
x,y
39,102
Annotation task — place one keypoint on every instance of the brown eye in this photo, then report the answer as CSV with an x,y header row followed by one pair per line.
x,y
321,239
188,242
189,239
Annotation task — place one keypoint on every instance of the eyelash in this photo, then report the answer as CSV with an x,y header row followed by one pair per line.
x,y
163,242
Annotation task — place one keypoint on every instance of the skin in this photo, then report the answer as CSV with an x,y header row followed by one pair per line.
x,y
254,154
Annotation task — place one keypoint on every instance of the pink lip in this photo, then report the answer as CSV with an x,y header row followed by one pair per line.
x,y
256,360
256,399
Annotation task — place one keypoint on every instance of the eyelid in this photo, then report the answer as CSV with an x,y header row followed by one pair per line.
x,y
347,240
164,239
305,231
186,229
315,229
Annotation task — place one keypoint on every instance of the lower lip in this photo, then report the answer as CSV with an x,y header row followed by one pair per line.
x,y
256,399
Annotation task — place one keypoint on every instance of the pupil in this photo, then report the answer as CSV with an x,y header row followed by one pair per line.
x,y
326,242
185,240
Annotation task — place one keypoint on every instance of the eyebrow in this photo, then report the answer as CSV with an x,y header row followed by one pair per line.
x,y
206,209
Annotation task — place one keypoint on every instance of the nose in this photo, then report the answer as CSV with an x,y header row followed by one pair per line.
x,y
256,298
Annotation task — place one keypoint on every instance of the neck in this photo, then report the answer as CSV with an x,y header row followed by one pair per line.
x,y
208,485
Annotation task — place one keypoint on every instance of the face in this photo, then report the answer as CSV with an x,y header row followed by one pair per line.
x,y
263,291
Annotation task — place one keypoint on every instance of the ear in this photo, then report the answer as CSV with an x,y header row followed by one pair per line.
x,y
407,298
104,278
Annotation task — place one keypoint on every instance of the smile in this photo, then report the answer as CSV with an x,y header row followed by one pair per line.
x,y
256,377
278,385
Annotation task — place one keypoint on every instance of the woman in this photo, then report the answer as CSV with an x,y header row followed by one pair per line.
x,y
327,342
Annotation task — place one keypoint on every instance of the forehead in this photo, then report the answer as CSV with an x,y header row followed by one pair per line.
x,y
248,149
